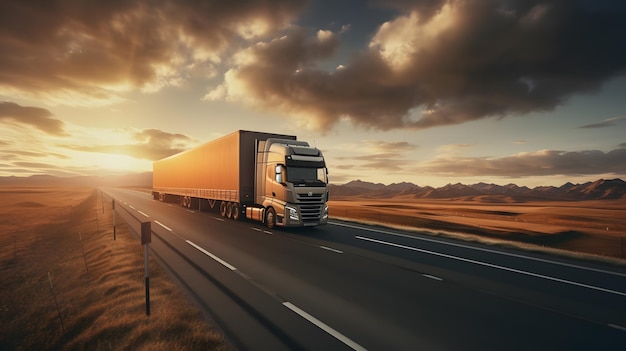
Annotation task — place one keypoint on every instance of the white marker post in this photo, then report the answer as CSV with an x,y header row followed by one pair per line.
x,y
146,238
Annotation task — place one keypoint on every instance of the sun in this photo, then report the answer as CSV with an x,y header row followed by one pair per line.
x,y
120,163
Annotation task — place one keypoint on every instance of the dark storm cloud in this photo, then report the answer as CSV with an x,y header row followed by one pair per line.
x,y
85,51
152,144
33,116
542,163
446,62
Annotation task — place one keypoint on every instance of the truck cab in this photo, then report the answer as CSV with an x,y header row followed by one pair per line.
x,y
292,181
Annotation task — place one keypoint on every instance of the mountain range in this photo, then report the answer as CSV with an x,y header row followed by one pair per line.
x,y
134,179
599,190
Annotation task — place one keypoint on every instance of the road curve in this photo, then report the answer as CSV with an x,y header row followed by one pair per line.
x,y
346,286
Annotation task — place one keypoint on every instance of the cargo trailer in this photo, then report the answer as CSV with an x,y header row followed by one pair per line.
x,y
272,178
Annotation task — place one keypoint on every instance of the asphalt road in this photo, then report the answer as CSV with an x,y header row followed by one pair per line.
x,y
347,286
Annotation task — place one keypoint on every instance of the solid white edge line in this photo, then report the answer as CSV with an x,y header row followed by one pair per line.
x,y
480,249
163,225
619,327
494,266
432,277
331,249
325,327
224,263
143,213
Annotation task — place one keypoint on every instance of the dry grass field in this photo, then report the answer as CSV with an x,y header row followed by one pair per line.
x,y
100,296
589,227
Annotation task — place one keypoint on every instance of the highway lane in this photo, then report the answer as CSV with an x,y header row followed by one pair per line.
x,y
366,288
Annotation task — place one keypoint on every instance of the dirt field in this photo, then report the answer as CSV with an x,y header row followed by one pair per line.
x,y
100,295
593,227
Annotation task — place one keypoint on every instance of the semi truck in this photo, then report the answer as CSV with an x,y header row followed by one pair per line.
x,y
272,178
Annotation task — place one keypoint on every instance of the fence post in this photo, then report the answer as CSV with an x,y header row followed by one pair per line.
x,y
82,248
97,221
56,303
113,214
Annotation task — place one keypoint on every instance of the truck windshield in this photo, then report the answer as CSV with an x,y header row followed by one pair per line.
x,y
306,175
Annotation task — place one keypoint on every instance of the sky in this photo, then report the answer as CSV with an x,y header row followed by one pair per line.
x,y
427,91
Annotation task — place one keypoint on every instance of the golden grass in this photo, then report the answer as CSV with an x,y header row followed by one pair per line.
x,y
103,305
585,227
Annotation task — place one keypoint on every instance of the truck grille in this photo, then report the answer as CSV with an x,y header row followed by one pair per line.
x,y
311,213
309,199
311,206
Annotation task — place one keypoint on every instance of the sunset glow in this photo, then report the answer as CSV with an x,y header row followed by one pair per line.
x,y
429,92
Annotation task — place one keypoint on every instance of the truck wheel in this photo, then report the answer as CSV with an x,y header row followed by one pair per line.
x,y
223,208
270,218
229,210
236,211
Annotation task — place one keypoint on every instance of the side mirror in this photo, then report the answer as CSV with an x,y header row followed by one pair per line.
x,y
279,174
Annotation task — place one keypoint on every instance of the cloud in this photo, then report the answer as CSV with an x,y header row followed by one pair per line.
x,y
540,163
11,154
394,146
379,155
88,53
152,144
389,162
33,116
609,122
30,168
439,63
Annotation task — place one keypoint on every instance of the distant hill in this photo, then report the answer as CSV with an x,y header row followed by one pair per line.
x,y
136,179
599,190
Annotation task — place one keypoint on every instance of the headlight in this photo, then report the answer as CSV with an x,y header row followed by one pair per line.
x,y
292,213
325,213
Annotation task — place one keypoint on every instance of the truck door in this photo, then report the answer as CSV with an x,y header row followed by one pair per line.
x,y
275,179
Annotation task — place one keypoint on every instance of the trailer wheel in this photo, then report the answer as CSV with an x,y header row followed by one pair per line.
x,y
223,208
270,218
236,214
